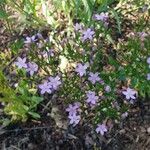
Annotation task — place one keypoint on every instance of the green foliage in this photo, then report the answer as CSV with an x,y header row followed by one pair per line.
x,y
119,64
19,103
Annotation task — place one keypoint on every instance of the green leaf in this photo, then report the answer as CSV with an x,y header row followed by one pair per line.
x,y
2,1
88,7
3,14
115,14
34,115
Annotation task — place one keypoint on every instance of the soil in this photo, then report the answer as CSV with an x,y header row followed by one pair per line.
x,y
129,134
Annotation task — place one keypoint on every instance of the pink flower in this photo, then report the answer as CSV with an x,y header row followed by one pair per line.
x,y
54,82
81,69
45,87
91,98
130,93
21,63
94,77
74,119
32,67
101,128
88,34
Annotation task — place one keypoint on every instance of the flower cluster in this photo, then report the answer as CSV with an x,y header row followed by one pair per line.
x,y
73,110
86,34
49,86
31,67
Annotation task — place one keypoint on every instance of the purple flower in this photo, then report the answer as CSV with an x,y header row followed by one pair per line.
x,y
32,67
124,115
142,35
50,52
78,27
45,87
21,63
88,34
101,128
54,82
74,119
39,35
130,93
148,60
101,17
91,98
81,69
44,54
94,77
30,40
77,105
148,76
73,108
107,88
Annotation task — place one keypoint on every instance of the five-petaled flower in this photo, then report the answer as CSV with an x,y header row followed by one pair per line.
x,y
78,27
101,128
81,69
45,87
91,98
32,67
130,93
101,17
74,119
94,77
55,82
21,63
88,34
73,108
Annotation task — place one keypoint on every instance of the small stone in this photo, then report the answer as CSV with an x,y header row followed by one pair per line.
x,y
148,130
123,131
143,130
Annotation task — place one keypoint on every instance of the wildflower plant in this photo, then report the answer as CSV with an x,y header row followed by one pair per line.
x,y
83,69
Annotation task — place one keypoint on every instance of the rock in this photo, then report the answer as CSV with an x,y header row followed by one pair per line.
x,y
148,130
